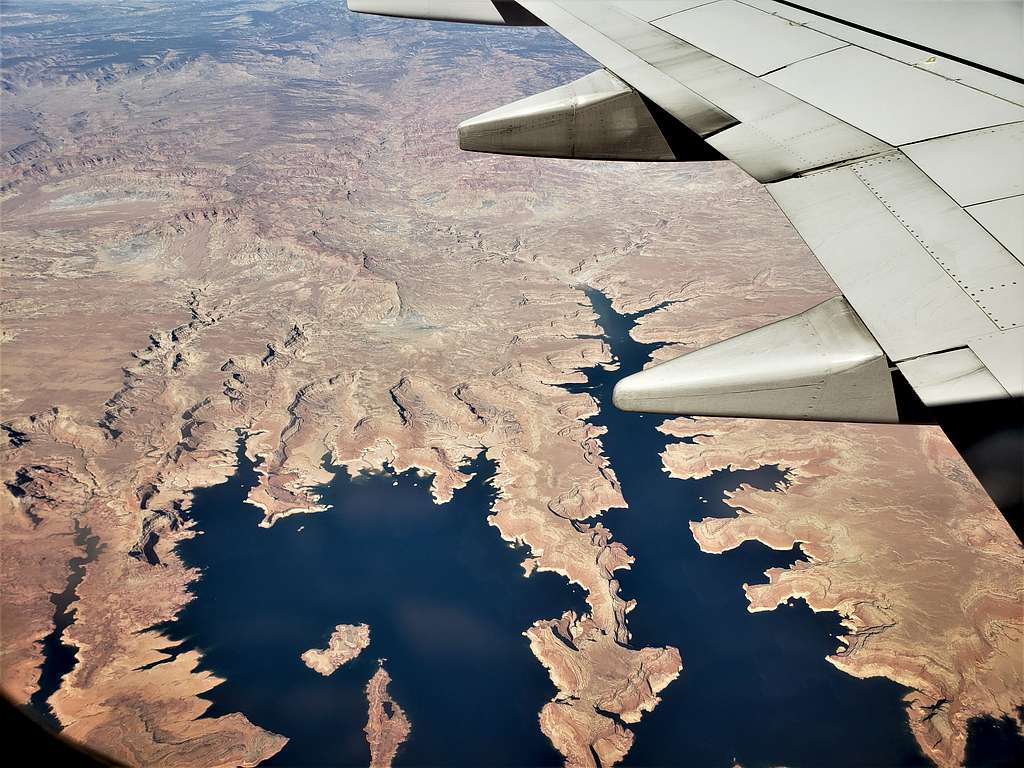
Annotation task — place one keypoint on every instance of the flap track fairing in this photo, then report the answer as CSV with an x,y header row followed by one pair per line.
x,y
598,117
498,12
820,365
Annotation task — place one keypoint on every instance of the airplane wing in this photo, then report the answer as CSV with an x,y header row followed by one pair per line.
x,y
891,133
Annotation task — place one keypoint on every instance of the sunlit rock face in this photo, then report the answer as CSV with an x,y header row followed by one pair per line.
x,y
240,217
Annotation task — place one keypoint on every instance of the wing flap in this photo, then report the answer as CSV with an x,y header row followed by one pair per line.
x,y
650,10
957,376
1002,218
752,40
955,67
975,261
903,295
897,103
975,167
985,33
1001,354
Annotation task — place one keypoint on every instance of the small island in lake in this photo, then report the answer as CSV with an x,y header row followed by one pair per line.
x,y
387,726
347,641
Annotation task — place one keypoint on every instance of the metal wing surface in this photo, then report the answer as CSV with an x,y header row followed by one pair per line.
x,y
890,133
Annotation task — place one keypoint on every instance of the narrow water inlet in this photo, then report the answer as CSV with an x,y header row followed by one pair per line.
x,y
60,658
735,663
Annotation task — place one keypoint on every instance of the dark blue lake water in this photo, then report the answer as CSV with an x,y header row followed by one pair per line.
x,y
59,658
444,596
